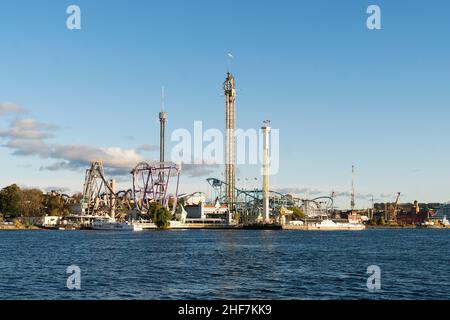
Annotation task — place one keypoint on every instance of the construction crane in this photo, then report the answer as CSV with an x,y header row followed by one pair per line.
x,y
393,217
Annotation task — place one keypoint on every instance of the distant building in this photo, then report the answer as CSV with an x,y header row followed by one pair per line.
x,y
215,211
195,212
206,211
442,212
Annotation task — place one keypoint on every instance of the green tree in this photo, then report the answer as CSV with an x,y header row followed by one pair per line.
x,y
54,205
9,200
160,215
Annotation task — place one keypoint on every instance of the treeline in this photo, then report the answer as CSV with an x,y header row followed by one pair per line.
x,y
17,202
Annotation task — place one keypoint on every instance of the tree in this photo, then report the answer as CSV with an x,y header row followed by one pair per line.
x,y
54,205
9,200
160,215
298,213
31,203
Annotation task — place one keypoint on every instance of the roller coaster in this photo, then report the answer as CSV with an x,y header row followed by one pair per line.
x,y
249,202
151,181
151,184
66,199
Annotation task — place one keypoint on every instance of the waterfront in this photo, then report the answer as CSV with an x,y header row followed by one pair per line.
x,y
208,264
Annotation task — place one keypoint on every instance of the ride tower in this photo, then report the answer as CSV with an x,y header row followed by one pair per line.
x,y
229,88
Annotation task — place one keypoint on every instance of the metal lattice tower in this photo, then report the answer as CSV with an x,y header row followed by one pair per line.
x,y
230,120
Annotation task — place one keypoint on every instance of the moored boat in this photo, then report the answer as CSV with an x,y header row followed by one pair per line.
x,y
326,225
111,225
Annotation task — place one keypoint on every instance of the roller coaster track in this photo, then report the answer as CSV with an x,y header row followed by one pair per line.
x,y
151,184
275,196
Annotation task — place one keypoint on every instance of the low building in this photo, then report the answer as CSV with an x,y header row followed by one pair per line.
x,y
215,211
207,213
50,221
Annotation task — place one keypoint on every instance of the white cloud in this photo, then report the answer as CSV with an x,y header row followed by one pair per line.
x,y
28,137
115,160
6,108
28,129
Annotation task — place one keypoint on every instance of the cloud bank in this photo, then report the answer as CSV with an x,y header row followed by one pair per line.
x,y
29,137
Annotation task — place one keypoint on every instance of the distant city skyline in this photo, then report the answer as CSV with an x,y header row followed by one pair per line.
x,y
339,93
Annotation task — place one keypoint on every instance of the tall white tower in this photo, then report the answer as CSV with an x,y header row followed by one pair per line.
x,y
266,131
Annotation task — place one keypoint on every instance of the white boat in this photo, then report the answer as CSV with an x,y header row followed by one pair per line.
x,y
331,225
325,225
427,223
445,222
111,225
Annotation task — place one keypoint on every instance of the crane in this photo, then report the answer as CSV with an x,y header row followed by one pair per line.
x,y
394,213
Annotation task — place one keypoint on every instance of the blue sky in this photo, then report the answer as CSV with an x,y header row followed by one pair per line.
x,y
339,93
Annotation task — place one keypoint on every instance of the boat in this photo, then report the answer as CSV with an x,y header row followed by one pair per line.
x,y
112,225
429,224
331,225
326,225
445,222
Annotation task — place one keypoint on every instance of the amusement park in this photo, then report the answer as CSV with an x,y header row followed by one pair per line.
x,y
154,199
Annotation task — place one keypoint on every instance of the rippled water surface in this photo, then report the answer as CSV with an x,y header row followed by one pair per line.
x,y
415,264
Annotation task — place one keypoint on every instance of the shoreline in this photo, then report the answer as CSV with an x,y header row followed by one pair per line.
x,y
238,228
14,228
